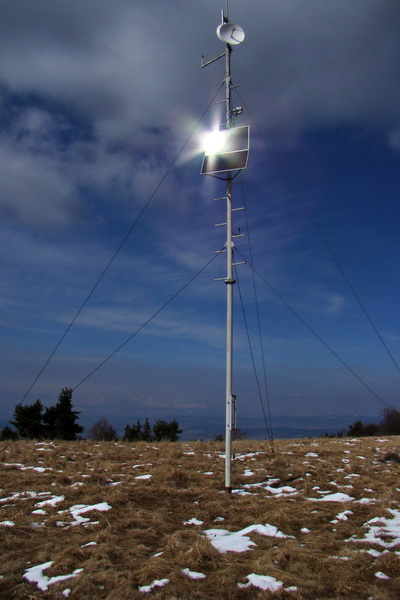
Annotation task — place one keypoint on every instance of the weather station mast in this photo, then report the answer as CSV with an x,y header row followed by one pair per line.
x,y
226,155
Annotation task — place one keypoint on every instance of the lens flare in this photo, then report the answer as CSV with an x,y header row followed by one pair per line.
x,y
214,142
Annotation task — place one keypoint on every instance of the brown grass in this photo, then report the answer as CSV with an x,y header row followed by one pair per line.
x,y
143,538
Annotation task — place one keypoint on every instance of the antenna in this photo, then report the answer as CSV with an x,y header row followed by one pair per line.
x,y
224,159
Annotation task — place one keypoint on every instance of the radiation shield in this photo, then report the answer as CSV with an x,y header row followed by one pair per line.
x,y
230,152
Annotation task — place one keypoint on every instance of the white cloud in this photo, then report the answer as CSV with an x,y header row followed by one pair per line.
x,y
130,72
132,64
334,303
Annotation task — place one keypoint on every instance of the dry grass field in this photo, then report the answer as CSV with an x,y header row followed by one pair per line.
x,y
86,520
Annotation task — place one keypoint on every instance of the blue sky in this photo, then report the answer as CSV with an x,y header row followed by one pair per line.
x,y
96,101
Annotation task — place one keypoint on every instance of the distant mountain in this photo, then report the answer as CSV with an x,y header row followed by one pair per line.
x,y
282,426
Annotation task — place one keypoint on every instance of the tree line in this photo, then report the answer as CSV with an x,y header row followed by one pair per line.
x,y
389,425
35,421
60,422
169,431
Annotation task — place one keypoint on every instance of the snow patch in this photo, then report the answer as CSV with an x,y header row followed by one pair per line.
x,y
337,497
89,544
78,509
381,575
156,583
50,502
35,575
382,530
270,486
263,582
193,521
343,516
193,574
248,473
239,541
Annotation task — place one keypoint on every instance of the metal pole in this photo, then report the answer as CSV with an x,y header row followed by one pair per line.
x,y
229,288
231,34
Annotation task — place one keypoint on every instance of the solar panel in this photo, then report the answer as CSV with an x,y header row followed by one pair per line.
x,y
232,153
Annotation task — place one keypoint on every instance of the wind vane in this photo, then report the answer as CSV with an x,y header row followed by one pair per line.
x,y
226,154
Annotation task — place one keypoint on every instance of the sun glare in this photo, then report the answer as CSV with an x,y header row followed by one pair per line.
x,y
214,142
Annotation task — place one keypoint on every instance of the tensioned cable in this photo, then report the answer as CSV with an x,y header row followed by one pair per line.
x,y
298,198
335,354
271,437
254,364
103,362
108,265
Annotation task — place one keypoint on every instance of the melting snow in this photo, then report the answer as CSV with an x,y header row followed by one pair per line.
x,y
375,553
337,497
248,455
156,583
89,544
366,500
343,516
380,529
248,473
35,575
269,486
24,496
79,509
193,574
24,468
193,521
239,541
37,469
51,501
263,582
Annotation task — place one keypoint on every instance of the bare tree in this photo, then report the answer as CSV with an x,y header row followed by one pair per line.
x,y
102,431
391,421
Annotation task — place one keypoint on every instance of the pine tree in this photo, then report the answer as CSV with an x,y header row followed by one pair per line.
x,y
60,420
8,434
146,435
133,433
28,420
168,431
